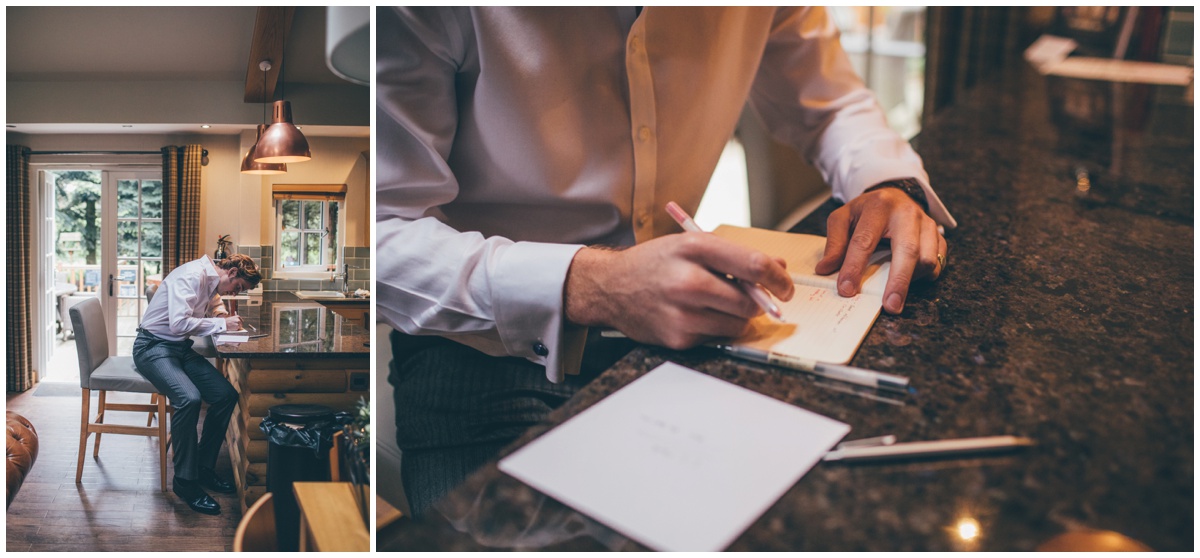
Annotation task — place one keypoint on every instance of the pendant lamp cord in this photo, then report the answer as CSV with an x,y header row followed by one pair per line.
x,y
283,67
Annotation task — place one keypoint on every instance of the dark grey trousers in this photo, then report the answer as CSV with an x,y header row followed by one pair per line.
x,y
456,408
187,378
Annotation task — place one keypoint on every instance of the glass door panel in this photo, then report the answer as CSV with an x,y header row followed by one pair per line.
x,y
138,251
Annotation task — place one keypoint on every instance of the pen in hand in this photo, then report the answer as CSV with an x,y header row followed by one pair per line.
x,y
756,292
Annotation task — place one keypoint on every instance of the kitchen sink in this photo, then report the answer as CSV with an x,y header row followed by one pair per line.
x,y
320,294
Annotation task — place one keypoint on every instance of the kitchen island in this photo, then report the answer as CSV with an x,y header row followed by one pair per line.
x,y
304,354
1066,315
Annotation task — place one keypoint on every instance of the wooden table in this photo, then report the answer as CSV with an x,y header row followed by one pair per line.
x,y
330,520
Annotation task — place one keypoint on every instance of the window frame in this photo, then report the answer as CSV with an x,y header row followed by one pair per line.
x,y
321,270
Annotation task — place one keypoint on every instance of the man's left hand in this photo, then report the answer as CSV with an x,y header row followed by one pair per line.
x,y
855,229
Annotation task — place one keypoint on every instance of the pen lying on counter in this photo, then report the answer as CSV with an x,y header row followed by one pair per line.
x,y
935,448
860,376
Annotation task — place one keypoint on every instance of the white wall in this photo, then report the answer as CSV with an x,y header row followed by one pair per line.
x,y
335,161
383,424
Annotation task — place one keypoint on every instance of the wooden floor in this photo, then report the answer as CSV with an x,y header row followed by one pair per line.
x,y
118,506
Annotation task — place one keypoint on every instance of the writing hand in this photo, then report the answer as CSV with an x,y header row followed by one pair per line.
x,y
671,291
233,323
855,229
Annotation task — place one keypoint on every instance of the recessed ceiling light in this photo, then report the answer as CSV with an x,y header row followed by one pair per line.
x,y
205,126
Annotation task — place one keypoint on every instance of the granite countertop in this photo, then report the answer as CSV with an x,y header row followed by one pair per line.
x,y
1065,315
296,326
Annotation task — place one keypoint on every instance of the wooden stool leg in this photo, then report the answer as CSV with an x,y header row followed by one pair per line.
x,y
99,420
150,415
170,415
162,441
83,433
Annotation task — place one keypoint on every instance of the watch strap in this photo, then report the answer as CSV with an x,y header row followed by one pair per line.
x,y
909,186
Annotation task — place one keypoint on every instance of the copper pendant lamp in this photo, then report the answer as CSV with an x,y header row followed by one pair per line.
x,y
249,165
282,142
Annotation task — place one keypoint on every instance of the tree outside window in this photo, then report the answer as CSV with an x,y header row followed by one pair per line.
x,y
308,234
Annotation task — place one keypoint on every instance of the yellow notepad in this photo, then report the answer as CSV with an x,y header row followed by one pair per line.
x,y
821,325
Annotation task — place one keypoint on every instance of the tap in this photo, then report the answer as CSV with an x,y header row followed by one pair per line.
x,y
345,277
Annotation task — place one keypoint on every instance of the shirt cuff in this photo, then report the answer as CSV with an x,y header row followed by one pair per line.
x,y
528,284
220,325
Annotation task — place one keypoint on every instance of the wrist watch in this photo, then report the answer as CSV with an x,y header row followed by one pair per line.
x,y
909,186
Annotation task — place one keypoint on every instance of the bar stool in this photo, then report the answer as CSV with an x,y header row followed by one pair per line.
x,y
98,370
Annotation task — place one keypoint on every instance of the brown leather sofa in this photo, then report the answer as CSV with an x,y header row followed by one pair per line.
x,y
22,452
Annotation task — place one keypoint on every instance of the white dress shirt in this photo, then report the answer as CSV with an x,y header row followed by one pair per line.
x,y
508,138
178,307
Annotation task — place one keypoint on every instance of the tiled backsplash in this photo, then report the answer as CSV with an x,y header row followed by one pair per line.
x,y
359,258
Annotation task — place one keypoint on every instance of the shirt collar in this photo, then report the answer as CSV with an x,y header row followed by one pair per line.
x,y
209,268
212,278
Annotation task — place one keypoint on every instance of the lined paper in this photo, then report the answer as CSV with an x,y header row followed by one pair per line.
x,y
819,324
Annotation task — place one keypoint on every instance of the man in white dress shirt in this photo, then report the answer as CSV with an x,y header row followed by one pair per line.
x,y
516,146
163,354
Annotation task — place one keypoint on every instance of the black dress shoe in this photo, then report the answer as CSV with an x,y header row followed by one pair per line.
x,y
195,497
210,480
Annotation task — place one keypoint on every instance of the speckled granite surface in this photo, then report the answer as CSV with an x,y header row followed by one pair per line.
x,y
1064,316
295,325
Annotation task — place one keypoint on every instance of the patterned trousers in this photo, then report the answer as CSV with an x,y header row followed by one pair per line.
x,y
187,378
456,408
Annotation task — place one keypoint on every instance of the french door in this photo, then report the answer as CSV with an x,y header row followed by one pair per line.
x,y
47,287
99,236
133,258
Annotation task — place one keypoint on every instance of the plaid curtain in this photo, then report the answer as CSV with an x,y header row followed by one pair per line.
x,y
19,348
181,200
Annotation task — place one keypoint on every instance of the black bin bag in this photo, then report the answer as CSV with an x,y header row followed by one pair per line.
x,y
299,438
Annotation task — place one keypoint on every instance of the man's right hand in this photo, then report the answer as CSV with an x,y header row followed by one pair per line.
x,y
233,323
671,291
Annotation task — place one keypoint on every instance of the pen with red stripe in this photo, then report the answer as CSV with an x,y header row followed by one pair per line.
x,y
755,291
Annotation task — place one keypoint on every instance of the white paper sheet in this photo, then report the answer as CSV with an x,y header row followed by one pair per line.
x,y
226,338
1049,50
677,460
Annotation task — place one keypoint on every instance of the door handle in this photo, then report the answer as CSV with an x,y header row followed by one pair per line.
x,y
110,285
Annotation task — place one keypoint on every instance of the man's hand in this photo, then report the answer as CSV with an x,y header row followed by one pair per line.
x,y
856,228
671,291
233,323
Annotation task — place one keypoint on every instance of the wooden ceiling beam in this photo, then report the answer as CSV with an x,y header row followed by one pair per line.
x,y
271,27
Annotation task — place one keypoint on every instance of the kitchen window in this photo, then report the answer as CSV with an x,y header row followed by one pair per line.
x,y
309,230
